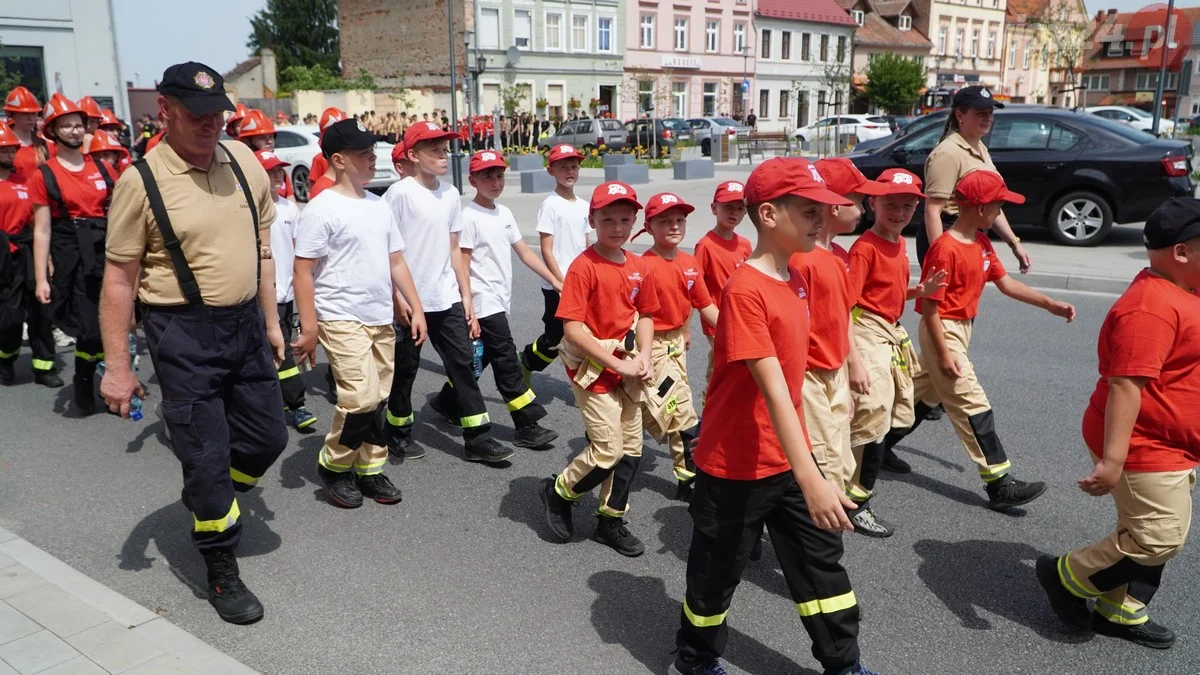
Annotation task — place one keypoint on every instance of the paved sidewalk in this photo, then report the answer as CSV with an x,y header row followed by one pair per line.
x,y
56,621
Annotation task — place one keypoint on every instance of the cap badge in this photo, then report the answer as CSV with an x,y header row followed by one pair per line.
x,y
15,99
249,125
735,187
670,199
985,93
902,179
617,190
565,148
488,157
204,80
432,127
361,127
815,174
267,154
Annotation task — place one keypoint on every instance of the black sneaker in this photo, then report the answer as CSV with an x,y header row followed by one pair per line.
x,y
84,395
683,490
893,463
8,375
935,413
866,522
486,450
558,510
1070,609
534,436
226,592
48,378
448,416
1148,634
380,488
401,446
1007,492
341,488
612,533
707,668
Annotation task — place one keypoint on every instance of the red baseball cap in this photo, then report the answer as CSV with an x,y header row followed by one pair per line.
x,y
425,131
612,192
665,201
901,182
844,178
730,191
781,176
564,151
486,159
984,187
269,160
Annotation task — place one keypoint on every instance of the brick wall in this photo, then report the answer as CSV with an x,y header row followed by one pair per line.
x,y
389,36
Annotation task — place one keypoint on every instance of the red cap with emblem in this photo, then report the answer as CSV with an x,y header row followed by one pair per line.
x,y
486,159
901,182
399,151
425,131
564,151
269,160
607,194
842,177
730,191
984,187
781,176
665,201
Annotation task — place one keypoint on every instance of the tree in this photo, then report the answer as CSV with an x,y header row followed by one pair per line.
x,y
302,33
1060,31
894,82
318,78
8,80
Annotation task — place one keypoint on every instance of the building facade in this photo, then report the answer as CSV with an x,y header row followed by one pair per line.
x,y
883,26
966,41
687,60
1046,42
67,46
804,62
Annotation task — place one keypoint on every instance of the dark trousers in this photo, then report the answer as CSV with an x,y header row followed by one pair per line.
x,y
19,306
451,340
728,517
290,381
923,238
544,349
221,403
500,352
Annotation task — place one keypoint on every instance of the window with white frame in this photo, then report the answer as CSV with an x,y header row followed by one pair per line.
x,y
764,44
645,94
739,38
522,29
604,34
1012,53
679,99
841,49
975,42
805,44
784,104
1025,58
785,45
580,31
824,49
991,53
857,15
712,36
905,22
554,31
647,26
710,99
1116,48
681,35
958,43
489,27
764,102
942,41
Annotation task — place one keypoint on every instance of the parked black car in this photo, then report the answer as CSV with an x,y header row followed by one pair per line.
x,y
1079,173
671,130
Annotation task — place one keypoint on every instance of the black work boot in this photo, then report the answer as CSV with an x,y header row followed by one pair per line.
x,y
400,444
893,463
935,413
612,533
85,393
46,378
229,596
1070,609
866,522
341,488
486,450
1148,634
534,436
558,510
684,489
1007,492
8,374
378,487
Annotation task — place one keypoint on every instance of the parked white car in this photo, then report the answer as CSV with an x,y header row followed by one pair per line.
x,y
865,127
297,145
1134,117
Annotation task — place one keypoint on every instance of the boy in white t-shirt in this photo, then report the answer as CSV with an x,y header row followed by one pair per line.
x,y
488,238
562,223
283,236
349,264
429,213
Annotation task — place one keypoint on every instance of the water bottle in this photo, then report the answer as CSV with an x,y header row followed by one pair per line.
x,y
477,357
135,402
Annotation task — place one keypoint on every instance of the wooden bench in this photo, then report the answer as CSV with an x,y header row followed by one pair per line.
x,y
756,142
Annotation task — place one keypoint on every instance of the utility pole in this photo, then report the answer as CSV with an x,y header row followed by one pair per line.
x,y
454,149
472,91
1169,31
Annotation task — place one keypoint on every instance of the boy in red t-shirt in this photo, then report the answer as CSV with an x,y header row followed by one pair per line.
x,y
964,253
721,250
756,466
606,292
668,413
1144,435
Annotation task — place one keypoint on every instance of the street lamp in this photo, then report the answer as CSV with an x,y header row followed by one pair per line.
x,y
455,153
745,79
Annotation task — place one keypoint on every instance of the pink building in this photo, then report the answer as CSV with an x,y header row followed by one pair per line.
x,y
687,60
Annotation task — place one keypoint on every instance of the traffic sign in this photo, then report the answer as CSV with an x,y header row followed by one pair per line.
x,y
745,85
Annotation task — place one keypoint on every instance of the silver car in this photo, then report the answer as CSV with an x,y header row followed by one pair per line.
x,y
703,129
297,145
590,134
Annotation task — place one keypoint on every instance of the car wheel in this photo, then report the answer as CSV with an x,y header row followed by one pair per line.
x,y
706,147
300,183
1080,219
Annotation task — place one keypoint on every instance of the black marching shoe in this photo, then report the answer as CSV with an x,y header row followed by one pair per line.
x,y
401,446
1007,492
46,378
378,487
684,489
534,436
486,450
866,522
893,463
557,510
85,394
448,415
341,488
7,374
935,413
612,533
226,592
1148,634
1069,609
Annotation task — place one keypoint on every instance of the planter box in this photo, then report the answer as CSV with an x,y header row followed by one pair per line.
x,y
694,169
619,159
536,182
520,163
633,174
679,154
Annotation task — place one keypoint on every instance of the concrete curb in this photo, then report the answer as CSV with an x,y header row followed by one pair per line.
x,y
163,634
1069,282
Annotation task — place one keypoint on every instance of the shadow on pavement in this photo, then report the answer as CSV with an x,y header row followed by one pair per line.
x,y
952,492
298,465
994,576
937,459
147,430
636,613
523,505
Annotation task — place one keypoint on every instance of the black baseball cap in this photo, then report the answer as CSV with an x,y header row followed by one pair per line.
x,y
347,135
1175,222
199,88
975,97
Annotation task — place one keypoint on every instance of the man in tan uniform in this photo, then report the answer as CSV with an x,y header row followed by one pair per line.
x,y
190,230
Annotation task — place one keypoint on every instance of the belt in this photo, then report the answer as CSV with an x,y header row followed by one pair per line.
x,y
204,311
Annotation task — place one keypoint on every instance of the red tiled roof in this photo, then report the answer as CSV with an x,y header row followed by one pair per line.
x,y
877,31
1097,59
889,7
1019,8
816,11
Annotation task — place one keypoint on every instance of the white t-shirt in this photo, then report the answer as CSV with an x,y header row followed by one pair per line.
x,y
426,219
353,240
490,234
283,249
568,222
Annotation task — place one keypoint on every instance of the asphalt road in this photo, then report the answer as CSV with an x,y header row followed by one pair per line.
x,y
460,577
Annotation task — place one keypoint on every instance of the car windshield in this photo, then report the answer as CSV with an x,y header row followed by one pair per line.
x,y
1137,112
610,125
676,123
725,121
1123,130
877,120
